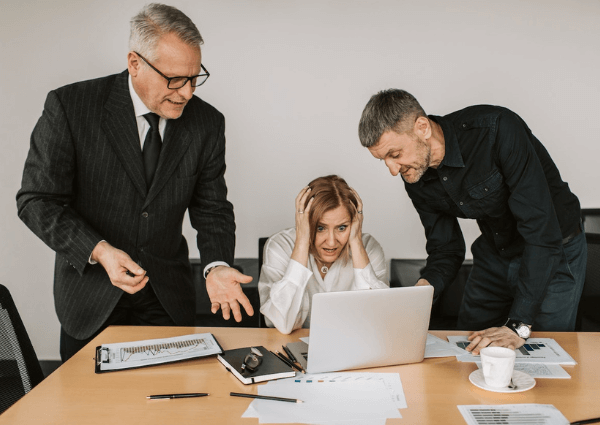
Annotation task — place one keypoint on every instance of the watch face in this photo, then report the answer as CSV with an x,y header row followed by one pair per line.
x,y
523,331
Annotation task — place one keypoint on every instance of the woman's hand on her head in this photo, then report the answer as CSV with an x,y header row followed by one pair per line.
x,y
356,229
302,246
360,259
302,224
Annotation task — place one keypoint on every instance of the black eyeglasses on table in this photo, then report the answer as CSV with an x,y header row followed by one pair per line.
x,y
175,83
252,360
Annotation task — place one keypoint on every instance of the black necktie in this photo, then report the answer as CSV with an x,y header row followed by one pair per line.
x,y
152,146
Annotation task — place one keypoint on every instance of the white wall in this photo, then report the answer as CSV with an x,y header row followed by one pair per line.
x,y
292,78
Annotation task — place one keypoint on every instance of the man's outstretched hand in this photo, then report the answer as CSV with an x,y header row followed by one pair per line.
x,y
223,285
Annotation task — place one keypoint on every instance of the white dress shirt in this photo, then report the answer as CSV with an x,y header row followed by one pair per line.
x,y
140,110
286,287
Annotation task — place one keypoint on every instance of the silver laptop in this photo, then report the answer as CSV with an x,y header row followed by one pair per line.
x,y
370,328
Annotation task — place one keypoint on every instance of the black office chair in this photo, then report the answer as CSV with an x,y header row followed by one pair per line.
x,y
261,249
20,369
588,313
591,219
444,313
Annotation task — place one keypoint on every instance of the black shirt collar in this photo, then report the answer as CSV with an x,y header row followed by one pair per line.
x,y
452,155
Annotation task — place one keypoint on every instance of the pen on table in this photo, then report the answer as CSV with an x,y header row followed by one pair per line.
x,y
289,353
586,421
294,363
266,397
288,361
165,396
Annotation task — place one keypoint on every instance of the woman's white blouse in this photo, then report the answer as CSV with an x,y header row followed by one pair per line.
x,y
286,287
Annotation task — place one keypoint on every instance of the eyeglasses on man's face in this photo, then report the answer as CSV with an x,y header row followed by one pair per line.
x,y
175,83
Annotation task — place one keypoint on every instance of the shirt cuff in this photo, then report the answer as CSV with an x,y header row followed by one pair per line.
x,y
92,262
297,273
214,264
366,278
523,311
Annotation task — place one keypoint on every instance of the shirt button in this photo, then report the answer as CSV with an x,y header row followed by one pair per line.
x,y
145,214
445,178
464,125
461,203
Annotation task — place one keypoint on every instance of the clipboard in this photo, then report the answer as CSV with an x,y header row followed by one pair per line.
x,y
151,352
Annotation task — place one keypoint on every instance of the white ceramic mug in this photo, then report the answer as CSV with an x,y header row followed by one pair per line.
x,y
497,364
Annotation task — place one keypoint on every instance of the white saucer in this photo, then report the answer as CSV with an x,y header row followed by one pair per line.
x,y
522,380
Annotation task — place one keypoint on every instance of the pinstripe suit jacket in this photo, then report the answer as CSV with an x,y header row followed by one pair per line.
x,y
83,182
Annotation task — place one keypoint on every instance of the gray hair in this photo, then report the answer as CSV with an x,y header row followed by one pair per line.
x,y
391,109
156,20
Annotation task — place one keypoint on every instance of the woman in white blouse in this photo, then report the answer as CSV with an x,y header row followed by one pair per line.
x,y
325,252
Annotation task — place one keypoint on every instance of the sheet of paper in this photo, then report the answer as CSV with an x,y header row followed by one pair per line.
x,y
512,414
536,350
540,370
156,351
305,339
391,381
327,402
437,347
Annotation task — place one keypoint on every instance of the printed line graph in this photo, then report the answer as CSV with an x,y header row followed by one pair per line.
x,y
145,352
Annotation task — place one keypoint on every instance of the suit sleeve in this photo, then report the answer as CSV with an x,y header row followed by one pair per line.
x,y
47,189
211,214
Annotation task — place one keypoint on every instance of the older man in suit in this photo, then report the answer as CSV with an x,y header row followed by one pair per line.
x,y
113,166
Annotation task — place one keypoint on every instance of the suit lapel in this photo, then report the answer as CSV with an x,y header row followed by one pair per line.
x,y
121,130
176,142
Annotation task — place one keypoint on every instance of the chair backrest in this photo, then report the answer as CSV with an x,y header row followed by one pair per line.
x,y
588,314
261,249
20,369
591,219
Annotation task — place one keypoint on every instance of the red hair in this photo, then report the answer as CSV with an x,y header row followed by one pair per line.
x,y
329,193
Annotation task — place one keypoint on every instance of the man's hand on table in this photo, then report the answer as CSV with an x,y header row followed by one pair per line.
x,y
494,337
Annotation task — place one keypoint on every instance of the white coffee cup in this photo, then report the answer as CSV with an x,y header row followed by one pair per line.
x,y
497,364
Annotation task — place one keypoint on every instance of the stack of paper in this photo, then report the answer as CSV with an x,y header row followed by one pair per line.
x,y
437,347
539,414
340,398
539,357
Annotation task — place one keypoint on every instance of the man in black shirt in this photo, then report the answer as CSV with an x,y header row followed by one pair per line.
x,y
484,163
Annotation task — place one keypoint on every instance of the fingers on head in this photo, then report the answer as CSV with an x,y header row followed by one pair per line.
x,y
302,194
307,209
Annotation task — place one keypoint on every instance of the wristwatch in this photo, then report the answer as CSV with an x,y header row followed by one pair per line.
x,y
520,328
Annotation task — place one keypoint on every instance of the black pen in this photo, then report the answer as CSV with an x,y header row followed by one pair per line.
x,y
165,396
292,363
289,353
266,397
586,421
288,361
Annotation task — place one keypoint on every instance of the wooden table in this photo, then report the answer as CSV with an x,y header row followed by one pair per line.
x,y
74,394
